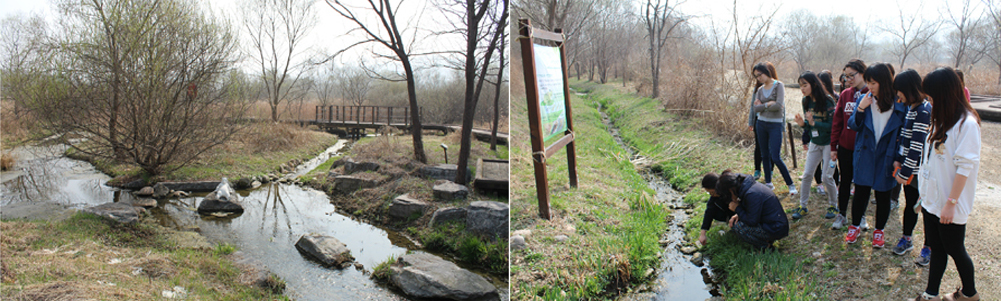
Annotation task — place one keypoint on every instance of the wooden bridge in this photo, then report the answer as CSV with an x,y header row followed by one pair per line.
x,y
354,120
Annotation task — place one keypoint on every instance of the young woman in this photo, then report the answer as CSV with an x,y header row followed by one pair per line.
x,y
877,121
714,211
752,119
827,79
912,137
948,180
759,218
769,104
818,107
843,138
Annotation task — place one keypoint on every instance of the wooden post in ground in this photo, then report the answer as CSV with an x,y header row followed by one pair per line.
x,y
792,145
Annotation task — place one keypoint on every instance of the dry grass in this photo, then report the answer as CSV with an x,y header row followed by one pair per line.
x,y
16,129
6,160
269,137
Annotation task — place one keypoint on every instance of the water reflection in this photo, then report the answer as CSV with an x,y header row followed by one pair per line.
x,y
42,174
274,218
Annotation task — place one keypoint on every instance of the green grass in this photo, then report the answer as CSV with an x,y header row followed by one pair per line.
x,y
451,238
86,248
381,271
680,152
612,223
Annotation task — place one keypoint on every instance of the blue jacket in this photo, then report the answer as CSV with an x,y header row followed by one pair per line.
x,y
760,206
874,160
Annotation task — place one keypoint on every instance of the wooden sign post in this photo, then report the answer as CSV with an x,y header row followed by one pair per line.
x,y
549,115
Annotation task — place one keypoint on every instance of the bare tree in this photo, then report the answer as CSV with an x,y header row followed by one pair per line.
x,y
660,19
477,16
910,33
990,35
801,30
570,16
277,29
154,69
326,85
24,59
497,89
961,39
752,43
353,85
386,32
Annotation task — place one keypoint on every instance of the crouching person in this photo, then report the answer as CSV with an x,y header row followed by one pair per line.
x,y
759,218
715,210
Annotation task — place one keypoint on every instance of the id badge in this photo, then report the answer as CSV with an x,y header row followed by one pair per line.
x,y
815,134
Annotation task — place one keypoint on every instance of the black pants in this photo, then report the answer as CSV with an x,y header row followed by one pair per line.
x,y
861,201
947,241
846,165
911,217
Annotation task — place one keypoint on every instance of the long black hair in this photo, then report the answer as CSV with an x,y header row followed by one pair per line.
x,y
882,73
818,93
765,68
727,180
909,83
827,79
949,104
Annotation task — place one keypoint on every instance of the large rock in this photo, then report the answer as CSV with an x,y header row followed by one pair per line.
x,y
422,275
348,184
444,172
223,199
119,212
443,215
244,183
146,191
445,190
404,207
488,218
160,191
327,250
351,166
144,202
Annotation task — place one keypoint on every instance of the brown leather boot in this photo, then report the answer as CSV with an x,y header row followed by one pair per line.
x,y
958,296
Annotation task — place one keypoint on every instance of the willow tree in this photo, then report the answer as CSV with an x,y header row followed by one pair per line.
x,y
142,82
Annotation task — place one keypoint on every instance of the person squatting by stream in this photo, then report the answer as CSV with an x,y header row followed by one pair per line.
x,y
924,138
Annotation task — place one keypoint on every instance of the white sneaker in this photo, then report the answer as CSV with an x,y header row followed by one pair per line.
x,y
864,225
820,190
770,186
792,190
839,221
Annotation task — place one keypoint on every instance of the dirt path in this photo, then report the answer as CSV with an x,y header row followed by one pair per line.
x,y
859,272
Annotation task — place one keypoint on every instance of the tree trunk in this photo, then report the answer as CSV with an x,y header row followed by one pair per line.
x,y
500,77
415,116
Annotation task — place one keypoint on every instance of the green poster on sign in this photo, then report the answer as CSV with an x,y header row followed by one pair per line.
x,y
552,102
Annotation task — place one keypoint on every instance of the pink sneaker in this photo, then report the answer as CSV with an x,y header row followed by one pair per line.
x,y
877,239
852,235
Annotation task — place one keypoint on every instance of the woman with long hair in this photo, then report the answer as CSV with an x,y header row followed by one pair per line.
x,y
759,219
912,137
948,180
877,121
752,119
843,138
818,108
769,104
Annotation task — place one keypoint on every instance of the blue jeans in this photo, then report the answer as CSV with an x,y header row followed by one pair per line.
x,y
770,140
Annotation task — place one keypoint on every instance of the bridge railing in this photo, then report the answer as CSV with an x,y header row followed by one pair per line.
x,y
365,114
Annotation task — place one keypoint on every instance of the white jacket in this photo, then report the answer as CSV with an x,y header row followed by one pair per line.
x,y
959,154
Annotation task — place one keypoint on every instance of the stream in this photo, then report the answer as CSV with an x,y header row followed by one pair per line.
x,y
45,183
677,278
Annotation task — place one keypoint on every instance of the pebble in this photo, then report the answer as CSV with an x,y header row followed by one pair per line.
x,y
817,254
561,238
664,242
697,259
688,250
517,243
522,233
648,273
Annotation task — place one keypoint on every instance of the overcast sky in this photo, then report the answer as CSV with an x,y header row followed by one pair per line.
x,y
329,36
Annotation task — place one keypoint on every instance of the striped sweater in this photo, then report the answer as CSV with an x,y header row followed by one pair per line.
x,y
912,138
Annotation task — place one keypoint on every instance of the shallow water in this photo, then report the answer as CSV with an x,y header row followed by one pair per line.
x,y
275,217
678,278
